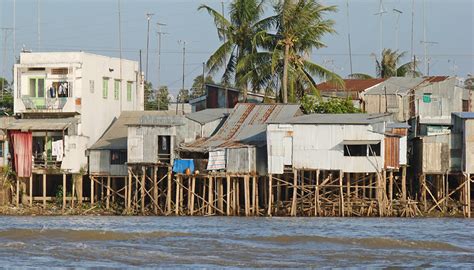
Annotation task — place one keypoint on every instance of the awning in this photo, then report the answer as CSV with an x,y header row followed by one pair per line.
x,y
360,142
41,124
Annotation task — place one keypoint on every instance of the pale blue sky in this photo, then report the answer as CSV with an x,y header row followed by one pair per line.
x,y
92,26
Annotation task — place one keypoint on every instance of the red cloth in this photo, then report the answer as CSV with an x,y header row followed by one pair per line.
x,y
22,143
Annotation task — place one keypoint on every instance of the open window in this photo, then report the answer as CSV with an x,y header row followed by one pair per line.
x,y
361,148
118,157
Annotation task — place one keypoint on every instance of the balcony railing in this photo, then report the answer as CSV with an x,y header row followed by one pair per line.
x,y
44,104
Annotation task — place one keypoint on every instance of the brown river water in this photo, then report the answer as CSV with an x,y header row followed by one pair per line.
x,y
226,242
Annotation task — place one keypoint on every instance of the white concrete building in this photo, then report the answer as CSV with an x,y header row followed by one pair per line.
x,y
92,89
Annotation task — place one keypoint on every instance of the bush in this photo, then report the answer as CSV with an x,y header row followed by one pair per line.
x,y
314,104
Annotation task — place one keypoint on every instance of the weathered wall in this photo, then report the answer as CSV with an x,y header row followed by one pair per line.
x,y
468,146
241,160
396,104
321,147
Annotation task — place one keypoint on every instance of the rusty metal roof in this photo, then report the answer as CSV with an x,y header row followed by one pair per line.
x,y
336,119
350,85
245,126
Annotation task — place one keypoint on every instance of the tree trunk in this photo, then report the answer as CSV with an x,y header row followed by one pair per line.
x,y
285,74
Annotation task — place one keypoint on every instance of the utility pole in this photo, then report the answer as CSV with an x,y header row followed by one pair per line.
x,y
226,103
160,33
397,30
148,18
14,32
349,36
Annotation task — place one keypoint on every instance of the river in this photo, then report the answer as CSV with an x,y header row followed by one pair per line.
x,y
226,242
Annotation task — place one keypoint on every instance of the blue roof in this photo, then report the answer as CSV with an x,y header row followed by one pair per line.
x,y
465,115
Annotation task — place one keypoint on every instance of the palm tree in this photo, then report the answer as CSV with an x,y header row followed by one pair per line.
x,y
388,66
237,35
300,26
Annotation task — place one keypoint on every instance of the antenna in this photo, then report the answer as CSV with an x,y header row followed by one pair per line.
x,y
349,36
381,13
148,18
160,33
412,30
5,32
397,30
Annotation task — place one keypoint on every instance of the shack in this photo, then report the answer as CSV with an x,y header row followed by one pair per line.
x,y
349,155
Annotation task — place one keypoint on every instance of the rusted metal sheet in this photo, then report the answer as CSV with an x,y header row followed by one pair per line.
x,y
392,152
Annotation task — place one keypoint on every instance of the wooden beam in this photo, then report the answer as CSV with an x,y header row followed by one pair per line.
x,y
341,192
31,189
44,190
404,183
155,190
270,195
168,193
107,199
246,195
228,195
317,210
64,191
211,195
295,192
92,191
220,194
193,188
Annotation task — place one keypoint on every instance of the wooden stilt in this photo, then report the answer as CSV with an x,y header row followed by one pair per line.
x,y
295,192
31,190
92,191
73,195
390,191
168,193
107,199
44,190
142,190
193,186
341,192
317,210
228,195
348,193
254,195
220,194
246,195
155,190
64,191
468,196
125,192
234,196
404,183
17,200
177,193
423,192
237,194
270,179
211,195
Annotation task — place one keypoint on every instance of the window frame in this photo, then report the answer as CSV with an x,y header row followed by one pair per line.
x,y
121,157
117,86
105,88
129,91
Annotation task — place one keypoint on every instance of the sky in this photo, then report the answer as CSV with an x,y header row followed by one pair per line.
x,y
92,26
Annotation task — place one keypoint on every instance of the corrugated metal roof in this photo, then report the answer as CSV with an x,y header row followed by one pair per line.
x,y
351,85
336,119
4,123
115,137
398,125
41,124
465,115
245,126
208,115
395,85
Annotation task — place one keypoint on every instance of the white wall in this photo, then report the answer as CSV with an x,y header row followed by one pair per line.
x,y
321,147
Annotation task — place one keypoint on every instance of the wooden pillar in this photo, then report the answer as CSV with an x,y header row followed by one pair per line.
x,y
390,190
142,190
177,193
317,210
341,208
270,195
129,187
73,191
125,192
155,190
371,185
423,191
235,198
348,192
404,183
247,195
168,193
228,195
220,194
64,191
468,195
107,199
379,195
295,192
44,190
255,195
211,195
193,188
17,199
92,191
364,184
31,189
237,194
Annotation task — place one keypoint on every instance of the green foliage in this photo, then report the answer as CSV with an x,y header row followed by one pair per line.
x,y
150,102
315,104
6,97
197,89
183,96
163,98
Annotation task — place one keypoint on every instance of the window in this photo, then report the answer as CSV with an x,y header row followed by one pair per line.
x,y
374,150
355,150
37,87
91,86
129,91
62,88
2,143
116,89
164,148
118,157
105,88
59,71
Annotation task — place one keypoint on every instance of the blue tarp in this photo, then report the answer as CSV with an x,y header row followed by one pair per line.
x,y
180,165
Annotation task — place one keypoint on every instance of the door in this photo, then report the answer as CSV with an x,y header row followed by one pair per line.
x,y
287,150
37,92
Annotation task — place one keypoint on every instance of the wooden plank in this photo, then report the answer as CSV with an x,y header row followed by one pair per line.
x,y
220,195
317,210
228,195
31,190
64,191
168,193
211,196
295,192
270,195
44,190
107,199
246,195
193,188
92,191
155,190
341,193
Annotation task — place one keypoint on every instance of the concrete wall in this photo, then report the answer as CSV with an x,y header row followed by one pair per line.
x,y
396,104
321,147
143,140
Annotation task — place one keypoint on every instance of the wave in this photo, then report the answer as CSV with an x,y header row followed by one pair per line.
x,y
370,243
82,235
